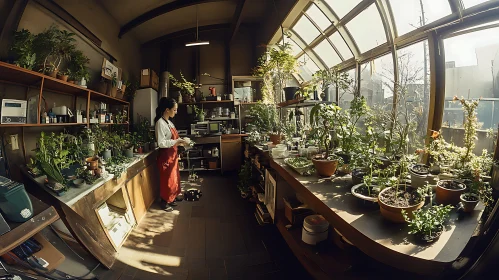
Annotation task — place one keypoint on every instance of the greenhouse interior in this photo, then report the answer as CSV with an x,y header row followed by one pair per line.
x,y
249,139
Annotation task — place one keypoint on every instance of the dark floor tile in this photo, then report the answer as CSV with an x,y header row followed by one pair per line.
x,y
198,212
218,274
130,271
199,274
111,274
215,263
260,269
126,277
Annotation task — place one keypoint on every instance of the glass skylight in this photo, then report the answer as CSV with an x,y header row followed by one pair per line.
x,y
367,29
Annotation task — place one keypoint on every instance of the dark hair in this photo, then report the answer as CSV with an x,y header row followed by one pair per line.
x,y
164,103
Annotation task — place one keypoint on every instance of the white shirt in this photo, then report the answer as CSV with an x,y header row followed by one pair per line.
x,y
164,134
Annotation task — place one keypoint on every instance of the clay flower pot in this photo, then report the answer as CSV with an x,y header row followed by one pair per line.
x,y
53,74
469,201
275,138
93,163
64,78
324,167
394,213
448,192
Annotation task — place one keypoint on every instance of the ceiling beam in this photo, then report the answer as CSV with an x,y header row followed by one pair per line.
x,y
236,20
161,10
188,31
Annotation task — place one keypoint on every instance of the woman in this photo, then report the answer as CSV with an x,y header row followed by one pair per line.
x,y
168,140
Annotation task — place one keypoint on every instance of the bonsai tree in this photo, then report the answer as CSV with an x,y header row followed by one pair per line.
x,y
22,49
428,224
276,66
52,47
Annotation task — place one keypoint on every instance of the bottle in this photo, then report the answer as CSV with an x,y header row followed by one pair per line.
x,y
214,152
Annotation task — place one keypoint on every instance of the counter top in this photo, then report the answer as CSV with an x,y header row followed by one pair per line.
x,y
371,233
74,194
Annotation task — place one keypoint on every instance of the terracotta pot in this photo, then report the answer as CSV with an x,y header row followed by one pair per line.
x,y
325,168
469,205
53,74
448,196
98,171
64,78
71,82
123,88
275,138
140,150
111,91
394,213
93,163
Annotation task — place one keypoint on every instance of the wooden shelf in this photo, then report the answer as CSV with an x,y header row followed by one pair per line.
x,y
247,103
43,215
300,103
201,169
40,125
111,123
324,264
13,74
206,102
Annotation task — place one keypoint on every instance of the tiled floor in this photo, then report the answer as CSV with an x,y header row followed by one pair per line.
x,y
214,238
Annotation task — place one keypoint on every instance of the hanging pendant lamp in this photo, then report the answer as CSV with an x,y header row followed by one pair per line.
x,y
197,42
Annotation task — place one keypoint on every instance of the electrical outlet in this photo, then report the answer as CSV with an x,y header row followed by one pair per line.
x,y
14,142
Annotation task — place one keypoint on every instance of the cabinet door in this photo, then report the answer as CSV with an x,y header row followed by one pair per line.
x,y
231,155
134,189
150,184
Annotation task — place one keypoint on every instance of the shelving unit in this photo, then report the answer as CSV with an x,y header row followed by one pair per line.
x,y
12,74
206,102
300,103
200,169
43,215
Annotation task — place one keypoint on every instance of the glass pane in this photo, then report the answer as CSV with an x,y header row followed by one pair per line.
x,y
306,30
367,29
414,93
342,7
471,71
471,3
326,52
376,83
340,44
318,17
346,95
295,49
307,67
408,13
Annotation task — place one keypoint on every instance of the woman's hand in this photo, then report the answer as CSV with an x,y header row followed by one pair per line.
x,y
181,142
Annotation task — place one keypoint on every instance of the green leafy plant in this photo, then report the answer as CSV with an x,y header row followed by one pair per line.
x,y
82,173
331,77
265,117
276,66
101,138
143,129
184,85
77,66
244,177
52,156
53,46
131,87
22,49
428,222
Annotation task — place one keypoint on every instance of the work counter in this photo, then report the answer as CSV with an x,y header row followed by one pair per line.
x,y
81,208
365,227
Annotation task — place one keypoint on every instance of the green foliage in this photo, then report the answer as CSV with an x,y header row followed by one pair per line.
x,y
331,77
276,66
52,155
184,85
102,139
265,117
53,46
82,173
245,177
131,87
77,66
22,49
428,221
114,80
143,129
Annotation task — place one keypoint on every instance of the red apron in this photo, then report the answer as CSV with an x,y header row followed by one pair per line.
x,y
169,173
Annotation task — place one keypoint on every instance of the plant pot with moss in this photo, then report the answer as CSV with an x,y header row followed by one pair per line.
x,y
393,200
469,201
448,192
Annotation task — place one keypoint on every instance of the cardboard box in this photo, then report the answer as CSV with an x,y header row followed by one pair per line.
x,y
149,79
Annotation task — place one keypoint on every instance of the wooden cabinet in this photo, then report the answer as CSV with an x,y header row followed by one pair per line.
x,y
134,189
150,186
231,153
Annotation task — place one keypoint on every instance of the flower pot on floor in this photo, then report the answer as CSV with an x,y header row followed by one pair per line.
x,y
448,192
324,167
393,212
469,201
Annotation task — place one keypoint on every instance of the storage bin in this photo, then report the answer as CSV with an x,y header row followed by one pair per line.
x,y
149,79
315,229
14,201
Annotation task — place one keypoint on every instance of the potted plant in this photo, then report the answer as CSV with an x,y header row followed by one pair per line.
x,y
63,75
398,196
266,118
129,142
427,225
276,66
331,77
199,113
22,49
187,89
51,157
244,182
53,46
112,86
102,142
77,68
89,141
